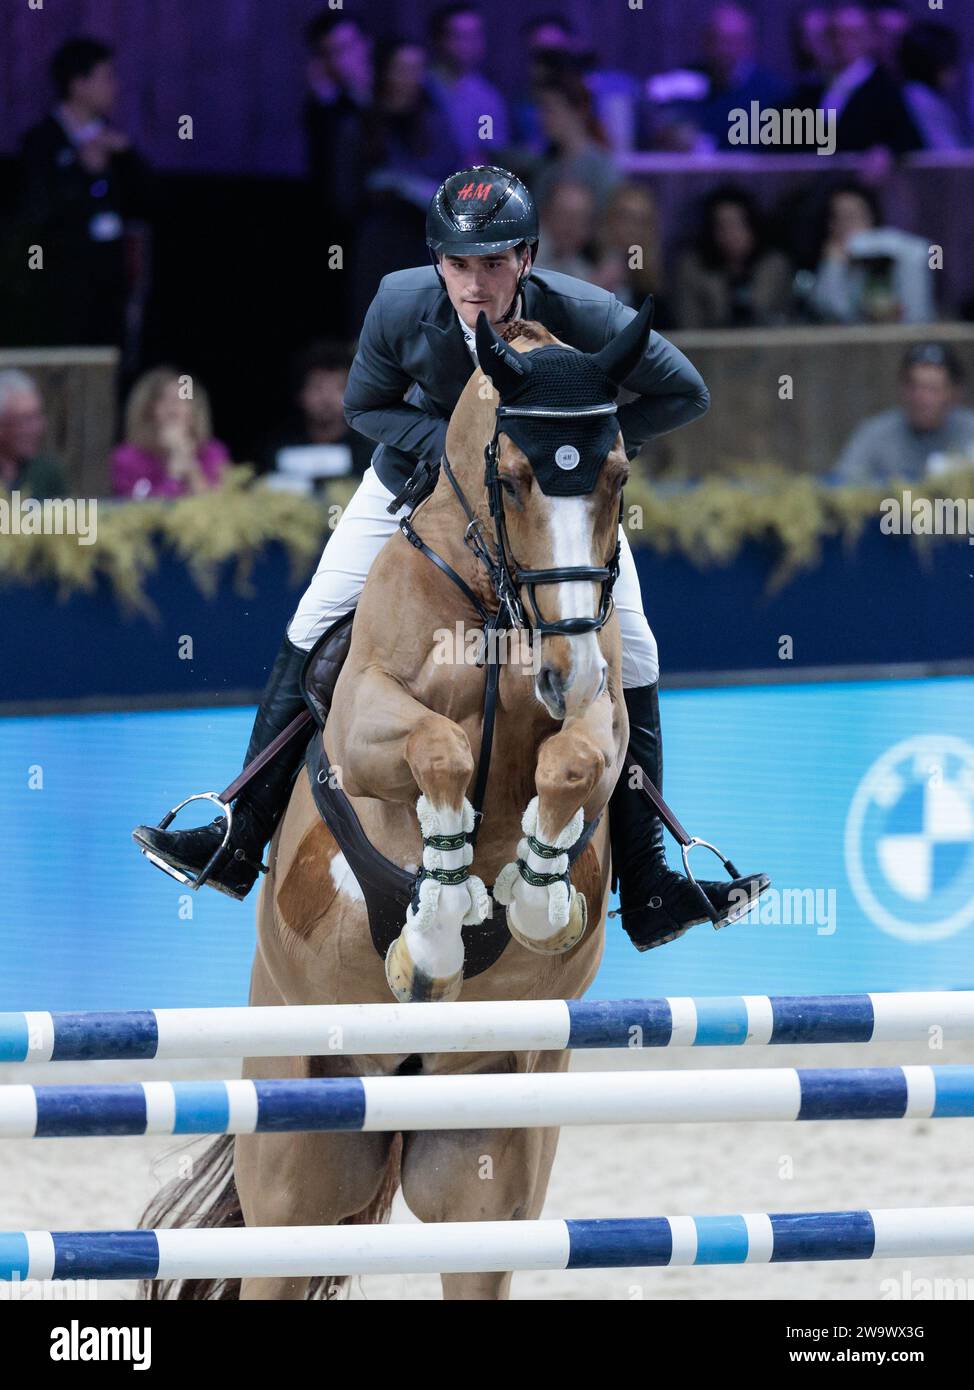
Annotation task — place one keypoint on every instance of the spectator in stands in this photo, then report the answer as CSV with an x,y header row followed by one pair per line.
x,y
24,468
405,152
890,20
567,230
548,33
616,97
630,264
732,279
576,148
318,419
83,180
930,60
405,149
923,436
339,76
553,49
811,49
456,81
734,75
691,107
868,273
870,110
339,89
169,448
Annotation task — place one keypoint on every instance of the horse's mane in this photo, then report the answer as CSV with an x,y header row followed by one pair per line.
x,y
526,328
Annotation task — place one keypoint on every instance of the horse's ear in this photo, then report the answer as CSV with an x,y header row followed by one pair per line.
x,y
506,368
619,357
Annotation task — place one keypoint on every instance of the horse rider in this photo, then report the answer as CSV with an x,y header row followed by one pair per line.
x,y
415,356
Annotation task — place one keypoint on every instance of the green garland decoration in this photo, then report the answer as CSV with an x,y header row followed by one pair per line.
x,y
232,522
791,516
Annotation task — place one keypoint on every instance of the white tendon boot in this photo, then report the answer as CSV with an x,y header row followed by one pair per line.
x,y
425,962
544,912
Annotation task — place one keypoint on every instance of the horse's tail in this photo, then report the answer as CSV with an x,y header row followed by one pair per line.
x,y
208,1198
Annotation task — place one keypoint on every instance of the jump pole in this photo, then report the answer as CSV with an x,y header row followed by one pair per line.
x,y
487,1101
517,1025
483,1246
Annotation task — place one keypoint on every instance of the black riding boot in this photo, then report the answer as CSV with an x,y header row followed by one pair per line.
x,y
658,904
258,808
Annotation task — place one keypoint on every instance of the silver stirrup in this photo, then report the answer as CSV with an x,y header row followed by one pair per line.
x,y
694,842
210,864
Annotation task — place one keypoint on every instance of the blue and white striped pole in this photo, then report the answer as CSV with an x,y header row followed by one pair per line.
x,y
518,1025
468,1247
487,1101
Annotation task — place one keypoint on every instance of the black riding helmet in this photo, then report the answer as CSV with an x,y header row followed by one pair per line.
x,y
480,210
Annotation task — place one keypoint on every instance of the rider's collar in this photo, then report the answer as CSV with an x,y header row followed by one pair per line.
x,y
470,337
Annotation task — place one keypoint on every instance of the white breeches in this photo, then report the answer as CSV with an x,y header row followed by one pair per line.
x,y
364,528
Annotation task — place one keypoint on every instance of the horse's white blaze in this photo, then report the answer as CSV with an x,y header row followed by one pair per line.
x,y
571,544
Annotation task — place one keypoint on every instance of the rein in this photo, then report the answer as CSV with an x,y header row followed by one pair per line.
x,y
492,622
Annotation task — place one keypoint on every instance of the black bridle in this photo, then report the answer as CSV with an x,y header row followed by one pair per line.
x,y
506,580
506,576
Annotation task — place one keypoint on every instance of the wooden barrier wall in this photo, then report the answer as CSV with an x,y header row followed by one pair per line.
x,y
841,376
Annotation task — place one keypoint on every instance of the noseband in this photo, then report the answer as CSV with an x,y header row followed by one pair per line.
x,y
506,576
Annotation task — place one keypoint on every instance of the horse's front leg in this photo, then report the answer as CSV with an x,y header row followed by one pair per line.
x,y
419,749
576,771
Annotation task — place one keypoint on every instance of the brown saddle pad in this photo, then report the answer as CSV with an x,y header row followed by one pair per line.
x,y
323,665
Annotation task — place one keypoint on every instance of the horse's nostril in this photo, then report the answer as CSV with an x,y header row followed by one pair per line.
x,y
551,687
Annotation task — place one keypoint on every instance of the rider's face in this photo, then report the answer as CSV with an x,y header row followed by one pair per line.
x,y
487,283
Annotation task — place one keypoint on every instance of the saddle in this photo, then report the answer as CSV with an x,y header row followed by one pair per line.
x,y
388,889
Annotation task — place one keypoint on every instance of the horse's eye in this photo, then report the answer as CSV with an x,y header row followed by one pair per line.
x,y
508,487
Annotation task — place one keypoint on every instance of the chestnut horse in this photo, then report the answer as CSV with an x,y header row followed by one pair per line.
x,y
404,737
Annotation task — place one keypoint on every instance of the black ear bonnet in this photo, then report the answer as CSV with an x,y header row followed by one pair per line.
x,y
565,452
558,404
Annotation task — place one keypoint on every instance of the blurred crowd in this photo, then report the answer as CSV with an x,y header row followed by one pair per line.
x,y
168,448
386,121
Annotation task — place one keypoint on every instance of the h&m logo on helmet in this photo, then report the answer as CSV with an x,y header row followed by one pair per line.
x,y
475,190
567,457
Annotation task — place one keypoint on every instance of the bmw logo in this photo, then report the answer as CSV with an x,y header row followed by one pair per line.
x,y
567,457
909,839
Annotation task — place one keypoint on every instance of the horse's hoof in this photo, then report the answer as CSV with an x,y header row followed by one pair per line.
x,y
565,938
412,985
